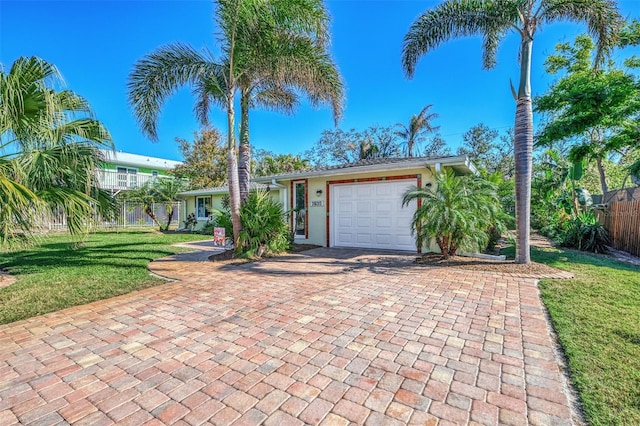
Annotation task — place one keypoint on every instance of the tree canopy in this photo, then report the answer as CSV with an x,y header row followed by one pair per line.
x,y
51,151
205,163
592,108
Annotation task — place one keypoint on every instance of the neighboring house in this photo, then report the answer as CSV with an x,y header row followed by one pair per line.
x,y
123,171
352,205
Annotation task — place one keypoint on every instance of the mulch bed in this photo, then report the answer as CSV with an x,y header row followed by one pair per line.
x,y
487,265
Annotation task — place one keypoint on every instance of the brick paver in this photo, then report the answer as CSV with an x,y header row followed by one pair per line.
x,y
323,337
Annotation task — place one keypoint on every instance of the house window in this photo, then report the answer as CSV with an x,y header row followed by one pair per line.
x,y
203,207
127,178
154,174
122,177
300,209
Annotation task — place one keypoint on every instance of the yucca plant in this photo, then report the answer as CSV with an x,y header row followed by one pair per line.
x,y
457,212
265,229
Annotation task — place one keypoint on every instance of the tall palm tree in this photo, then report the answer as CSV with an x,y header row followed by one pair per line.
x,y
247,27
53,150
492,20
293,64
418,127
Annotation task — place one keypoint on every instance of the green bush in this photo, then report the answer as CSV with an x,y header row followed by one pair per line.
x,y
207,228
264,227
586,234
458,213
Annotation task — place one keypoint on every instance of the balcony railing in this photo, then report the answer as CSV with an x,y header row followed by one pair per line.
x,y
110,179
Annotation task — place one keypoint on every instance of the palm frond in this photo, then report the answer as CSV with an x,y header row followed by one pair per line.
x,y
159,75
601,16
454,19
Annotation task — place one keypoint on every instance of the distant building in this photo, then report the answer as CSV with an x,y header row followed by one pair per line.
x,y
123,171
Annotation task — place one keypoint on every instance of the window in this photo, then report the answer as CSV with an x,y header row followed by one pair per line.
x,y
122,177
127,178
154,174
203,207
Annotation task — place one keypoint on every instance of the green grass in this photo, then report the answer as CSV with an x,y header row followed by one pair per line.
x,y
53,275
597,319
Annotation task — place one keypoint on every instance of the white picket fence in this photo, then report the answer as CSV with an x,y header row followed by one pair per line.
x,y
129,215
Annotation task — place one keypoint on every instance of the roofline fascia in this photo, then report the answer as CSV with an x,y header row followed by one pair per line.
x,y
462,160
218,191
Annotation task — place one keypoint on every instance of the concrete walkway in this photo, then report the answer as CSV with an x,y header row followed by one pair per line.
x,y
323,337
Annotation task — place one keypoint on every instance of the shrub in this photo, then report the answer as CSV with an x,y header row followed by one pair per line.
x,y
207,228
264,227
457,213
586,234
191,222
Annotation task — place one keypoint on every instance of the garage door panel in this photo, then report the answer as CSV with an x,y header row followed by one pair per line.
x,y
363,206
384,239
345,238
363,239
364,222
363,191
385,190
346,222
385,222
370,215
384,206
345,193
345,207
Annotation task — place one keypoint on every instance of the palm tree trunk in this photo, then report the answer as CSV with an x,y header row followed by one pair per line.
x,y
169,216
232,172
523,154
244,153
603,178
149,211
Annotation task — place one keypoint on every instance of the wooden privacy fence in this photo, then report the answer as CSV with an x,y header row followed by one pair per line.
x,y
622,220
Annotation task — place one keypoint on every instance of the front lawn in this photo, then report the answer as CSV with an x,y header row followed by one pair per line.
x,y
597,319
53,275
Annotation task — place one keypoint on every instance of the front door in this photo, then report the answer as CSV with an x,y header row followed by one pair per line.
x,y
300,209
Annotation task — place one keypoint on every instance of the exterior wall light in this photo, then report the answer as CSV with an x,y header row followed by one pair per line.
x,y
319,192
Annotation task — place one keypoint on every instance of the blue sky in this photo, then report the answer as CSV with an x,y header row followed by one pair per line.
x,y
94,44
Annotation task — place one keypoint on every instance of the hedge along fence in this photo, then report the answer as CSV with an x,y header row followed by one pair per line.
x,y
622,220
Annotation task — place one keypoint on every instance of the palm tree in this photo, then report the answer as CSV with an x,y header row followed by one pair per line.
x,y
53,146
418,127
457,213
164,191
492,20
295,63
246,28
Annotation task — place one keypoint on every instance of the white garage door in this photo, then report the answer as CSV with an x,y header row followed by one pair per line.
x,y
370,215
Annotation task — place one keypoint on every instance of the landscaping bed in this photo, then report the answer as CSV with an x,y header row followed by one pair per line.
x,y
488,265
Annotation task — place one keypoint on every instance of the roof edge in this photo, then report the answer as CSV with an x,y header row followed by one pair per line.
x,y
459,160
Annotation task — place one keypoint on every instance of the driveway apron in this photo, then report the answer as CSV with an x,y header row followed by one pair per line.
x,y
322,337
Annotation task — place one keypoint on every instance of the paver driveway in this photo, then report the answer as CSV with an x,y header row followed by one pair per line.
x,y
328,336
